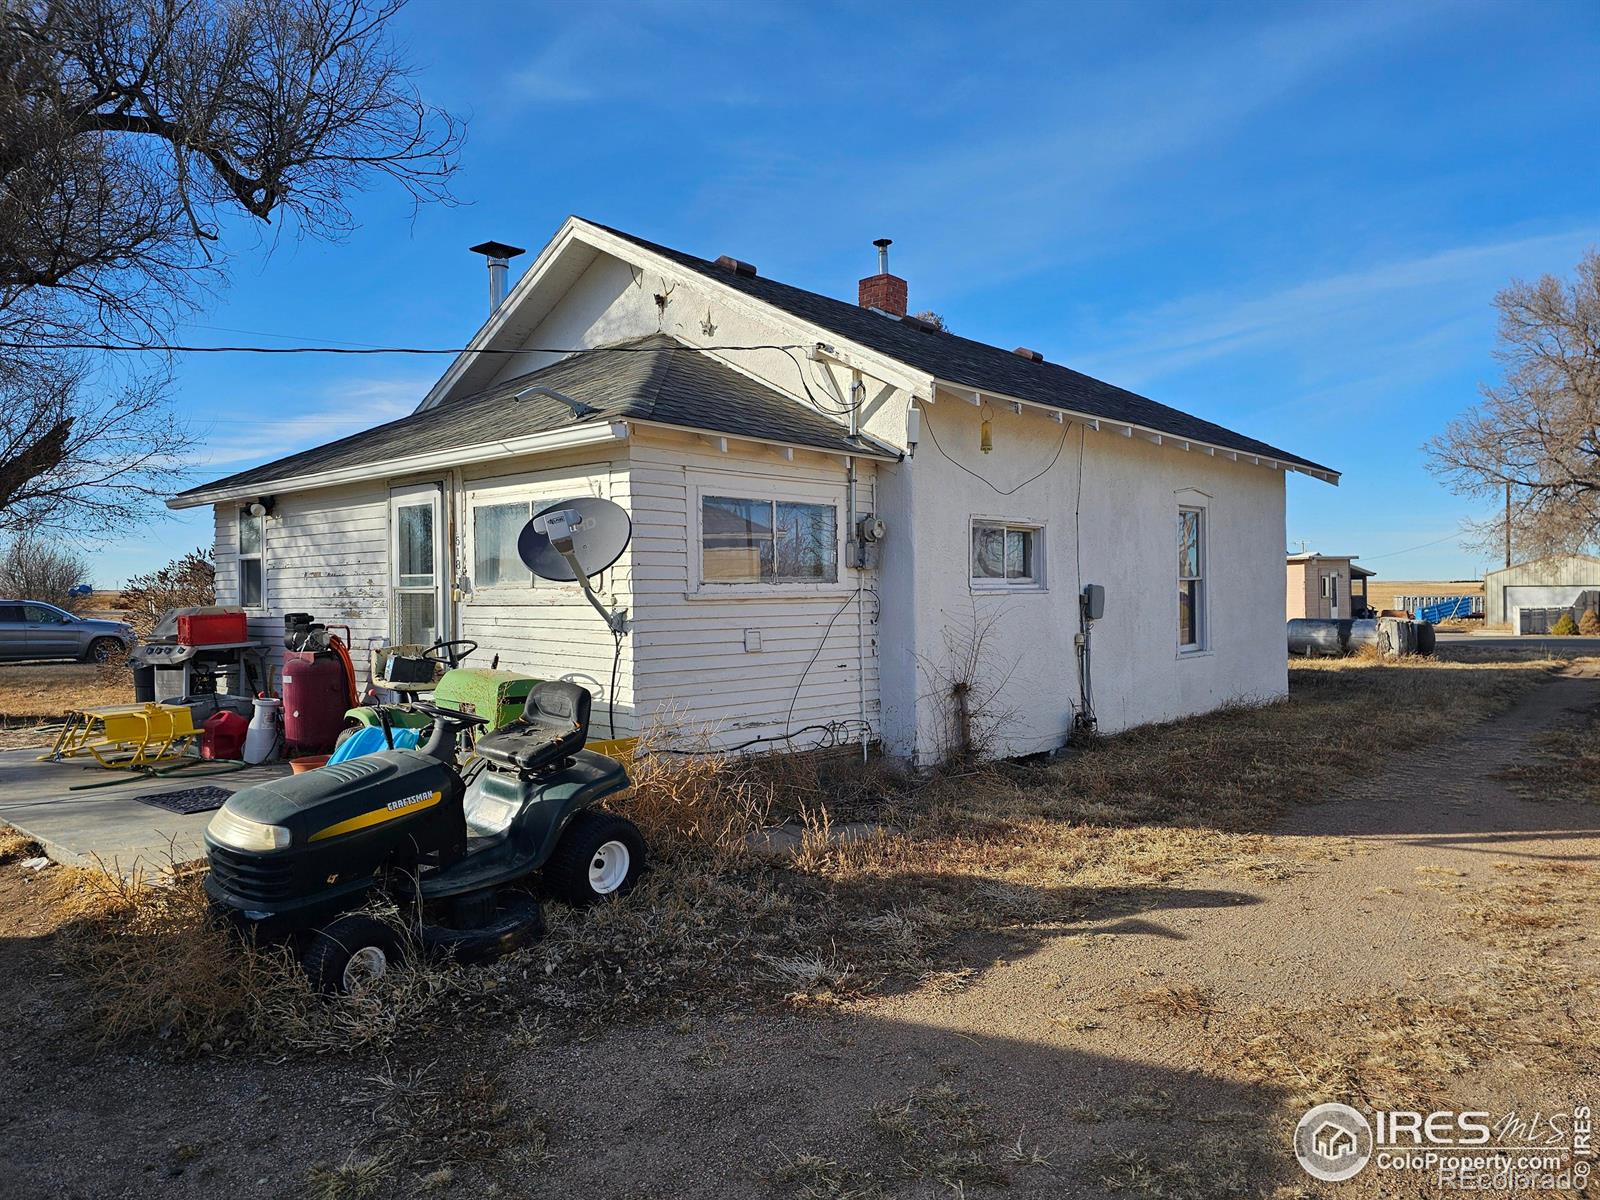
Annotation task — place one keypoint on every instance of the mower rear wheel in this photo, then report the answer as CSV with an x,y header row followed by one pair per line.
x,y
599,855
348,956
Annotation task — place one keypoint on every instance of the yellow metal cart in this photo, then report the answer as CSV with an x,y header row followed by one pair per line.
x,y
128,736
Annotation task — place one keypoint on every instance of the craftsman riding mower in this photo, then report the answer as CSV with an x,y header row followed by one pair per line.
x,y
297,858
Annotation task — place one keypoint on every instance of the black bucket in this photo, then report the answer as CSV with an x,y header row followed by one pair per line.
x,y
144,683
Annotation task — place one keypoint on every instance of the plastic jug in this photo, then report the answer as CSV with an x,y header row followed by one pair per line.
x,y
261,739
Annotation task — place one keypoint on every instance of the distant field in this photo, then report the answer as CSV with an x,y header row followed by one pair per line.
x,y
1382,593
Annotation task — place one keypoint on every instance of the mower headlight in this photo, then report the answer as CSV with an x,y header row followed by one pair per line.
x,y
241,833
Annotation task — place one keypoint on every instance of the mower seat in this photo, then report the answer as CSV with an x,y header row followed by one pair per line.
x,y
554,726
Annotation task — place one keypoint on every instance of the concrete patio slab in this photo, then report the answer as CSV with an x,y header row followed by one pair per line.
x,y
108,824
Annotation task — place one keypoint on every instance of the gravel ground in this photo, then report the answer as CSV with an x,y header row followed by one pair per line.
x,y
1101,1058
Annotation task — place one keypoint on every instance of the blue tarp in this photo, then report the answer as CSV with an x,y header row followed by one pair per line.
x,y
370,740
1445,610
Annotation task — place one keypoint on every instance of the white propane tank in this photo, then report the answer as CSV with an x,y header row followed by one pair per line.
x,y
262,736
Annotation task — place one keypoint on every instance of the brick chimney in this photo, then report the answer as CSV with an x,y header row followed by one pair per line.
x,y
883,291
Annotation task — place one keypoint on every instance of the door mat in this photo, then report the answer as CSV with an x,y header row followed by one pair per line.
x,y
190,800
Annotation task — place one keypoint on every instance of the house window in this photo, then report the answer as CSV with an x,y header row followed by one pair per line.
x,y
745,540
251,539
1191,579
495,530
1006,555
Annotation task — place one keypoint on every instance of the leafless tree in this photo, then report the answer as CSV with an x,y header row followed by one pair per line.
x,y
132,131
186,582
132,134
1537,432
81,450
33,568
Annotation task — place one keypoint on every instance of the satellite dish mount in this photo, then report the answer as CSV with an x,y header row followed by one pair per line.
x,y
574,540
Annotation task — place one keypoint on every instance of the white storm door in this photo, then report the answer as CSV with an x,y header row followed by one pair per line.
x,y
416,611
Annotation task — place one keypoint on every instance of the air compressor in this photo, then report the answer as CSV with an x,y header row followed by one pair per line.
x,y
318,687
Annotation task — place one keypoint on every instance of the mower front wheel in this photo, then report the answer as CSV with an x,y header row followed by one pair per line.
x,y
349,956
599,855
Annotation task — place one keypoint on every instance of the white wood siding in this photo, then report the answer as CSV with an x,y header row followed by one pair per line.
x,y
692,671
549,630
326,553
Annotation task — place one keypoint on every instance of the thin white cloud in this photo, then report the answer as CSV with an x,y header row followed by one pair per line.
x,y
1386,312
349,408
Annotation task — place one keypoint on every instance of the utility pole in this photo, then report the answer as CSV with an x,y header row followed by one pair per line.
x,y
1508,522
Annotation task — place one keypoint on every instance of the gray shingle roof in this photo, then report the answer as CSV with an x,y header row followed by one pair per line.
x,y
657,379
953,359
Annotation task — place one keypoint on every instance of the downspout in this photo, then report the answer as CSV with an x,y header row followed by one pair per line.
x,y
858,553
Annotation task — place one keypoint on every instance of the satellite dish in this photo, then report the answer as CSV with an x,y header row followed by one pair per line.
x,y
574,539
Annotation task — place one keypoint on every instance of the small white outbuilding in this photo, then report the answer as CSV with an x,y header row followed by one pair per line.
x,y
848,523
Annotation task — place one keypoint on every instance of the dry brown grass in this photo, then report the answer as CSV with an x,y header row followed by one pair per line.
x,y
1009,848
1005,848
34,700
50,692
1565,765
939,1136
153,963
16,845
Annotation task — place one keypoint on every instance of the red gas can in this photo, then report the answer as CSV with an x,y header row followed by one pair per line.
x,y
222,736
315,697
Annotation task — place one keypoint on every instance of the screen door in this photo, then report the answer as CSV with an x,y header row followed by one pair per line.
x,y
416,615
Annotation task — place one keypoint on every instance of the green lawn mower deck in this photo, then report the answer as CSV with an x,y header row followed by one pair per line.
x,y
296,858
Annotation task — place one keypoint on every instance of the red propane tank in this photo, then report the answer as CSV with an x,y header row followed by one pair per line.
x,y
315,697
222,736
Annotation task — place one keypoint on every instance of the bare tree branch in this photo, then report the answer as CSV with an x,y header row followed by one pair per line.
x,y
1537,430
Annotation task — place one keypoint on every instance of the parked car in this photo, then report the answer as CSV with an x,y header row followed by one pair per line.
x,y
31,629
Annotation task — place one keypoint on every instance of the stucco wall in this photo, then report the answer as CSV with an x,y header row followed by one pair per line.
x,y
1124,537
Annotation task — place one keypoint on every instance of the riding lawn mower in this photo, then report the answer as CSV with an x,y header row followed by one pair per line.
x,y
458,847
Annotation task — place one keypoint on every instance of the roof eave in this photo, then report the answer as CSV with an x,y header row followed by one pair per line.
x,y
1159,436
869,447
592,434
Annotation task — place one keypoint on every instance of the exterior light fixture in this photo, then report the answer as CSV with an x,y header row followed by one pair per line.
x,y
986,430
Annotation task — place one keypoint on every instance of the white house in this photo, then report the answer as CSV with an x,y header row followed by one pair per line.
x,y
752,430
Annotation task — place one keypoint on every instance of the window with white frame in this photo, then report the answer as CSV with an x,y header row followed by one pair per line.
x,y
753,540
252,538
1007,555
1191,579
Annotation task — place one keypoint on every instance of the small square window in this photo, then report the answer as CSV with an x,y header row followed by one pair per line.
x,y
1005,555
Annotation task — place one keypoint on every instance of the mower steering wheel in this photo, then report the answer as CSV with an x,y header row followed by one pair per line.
x,y
445,653
448,714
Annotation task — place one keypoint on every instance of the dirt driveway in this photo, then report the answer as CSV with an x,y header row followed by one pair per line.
x,y
1421,938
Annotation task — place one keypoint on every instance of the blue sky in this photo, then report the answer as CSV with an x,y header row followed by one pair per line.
x,y
1290,219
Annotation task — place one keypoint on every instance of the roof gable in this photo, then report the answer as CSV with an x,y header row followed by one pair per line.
x,y
950,358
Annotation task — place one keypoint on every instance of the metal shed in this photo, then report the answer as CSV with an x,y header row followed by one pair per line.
x,y
1540,584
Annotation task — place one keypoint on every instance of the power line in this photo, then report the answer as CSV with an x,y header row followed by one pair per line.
x,y
354,348
997,490
358,349
1391,553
